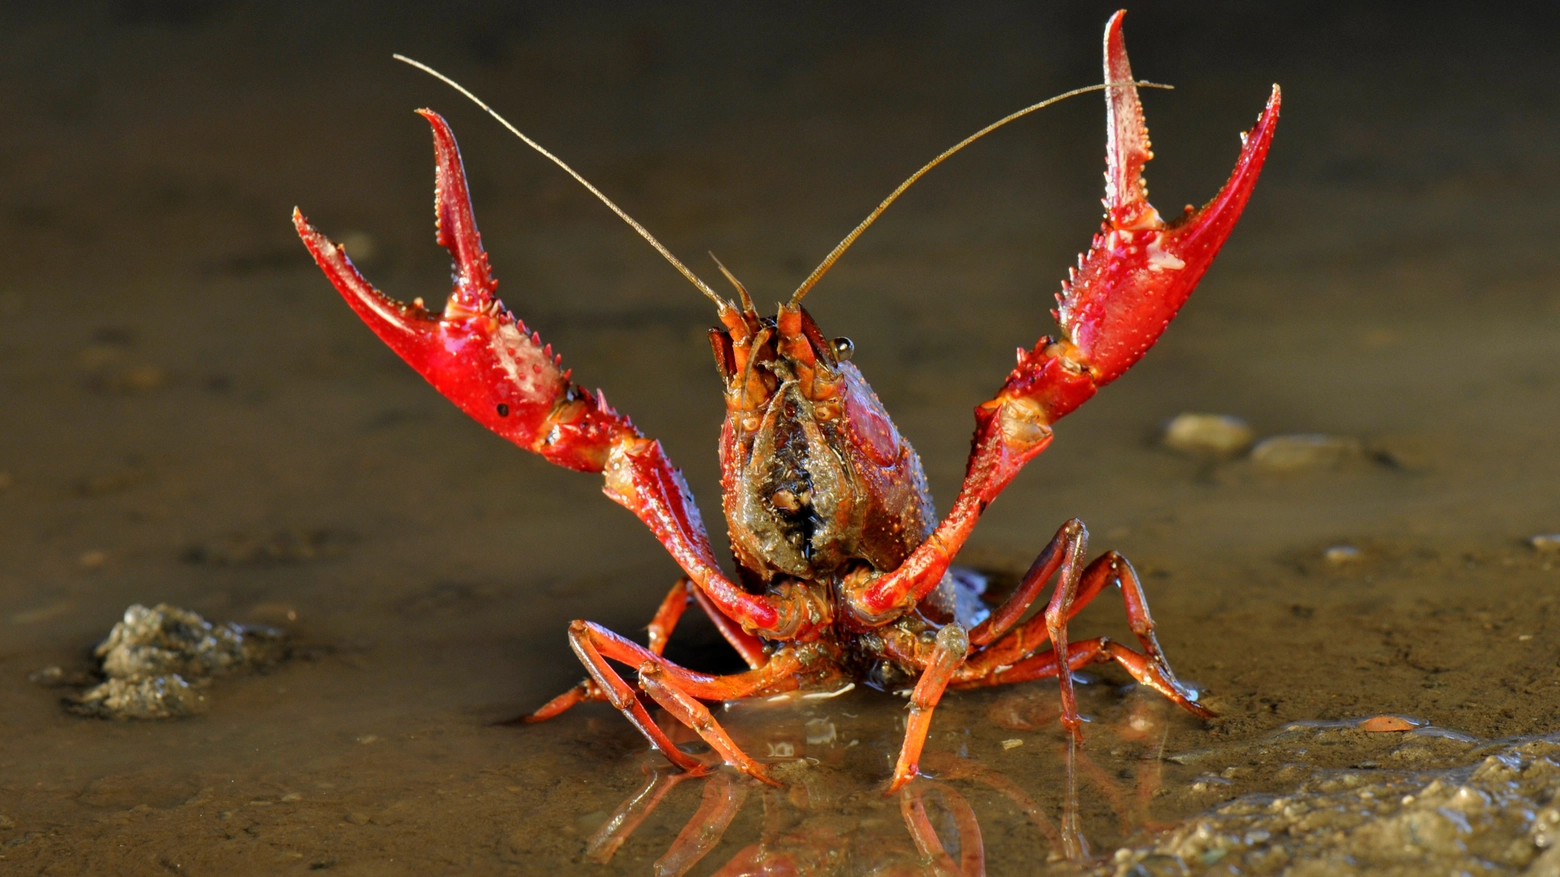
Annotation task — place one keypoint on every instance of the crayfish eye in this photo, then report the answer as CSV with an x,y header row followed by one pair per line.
x,y
503,410
844,348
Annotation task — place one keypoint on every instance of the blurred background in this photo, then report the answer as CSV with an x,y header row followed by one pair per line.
x,y
193,416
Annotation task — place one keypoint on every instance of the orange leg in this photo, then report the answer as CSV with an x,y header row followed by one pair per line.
x,y
587,640
1066,547
1008,651
1081,654
659,631
678,690
697,716
750,647
948,653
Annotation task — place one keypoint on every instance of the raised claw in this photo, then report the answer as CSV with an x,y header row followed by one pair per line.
x,y
476,352
1135,277
482,358
1141,269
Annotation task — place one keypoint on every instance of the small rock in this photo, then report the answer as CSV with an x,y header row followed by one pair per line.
x,y
357,818
1546,543
5,821
1306,451
167,639
1342,555
156,697
157,659
1208,435
1387,724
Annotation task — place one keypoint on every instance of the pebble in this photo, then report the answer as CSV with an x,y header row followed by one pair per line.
x,y
1546,543
1386,724
1306,451
1340,555
357,818
1208,435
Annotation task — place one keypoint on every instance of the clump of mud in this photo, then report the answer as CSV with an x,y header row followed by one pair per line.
x,y
156,663
1502,814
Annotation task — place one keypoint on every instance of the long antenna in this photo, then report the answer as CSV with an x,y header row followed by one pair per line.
x,y
643,232
844,245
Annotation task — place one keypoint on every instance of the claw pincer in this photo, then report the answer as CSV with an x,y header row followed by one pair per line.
x,y
1139,269
842,564
478,354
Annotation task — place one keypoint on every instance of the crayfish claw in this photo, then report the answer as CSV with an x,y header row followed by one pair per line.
x,y
1140,269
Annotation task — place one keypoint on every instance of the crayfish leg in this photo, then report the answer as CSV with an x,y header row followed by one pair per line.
x,y
947,654
1002,659
698,717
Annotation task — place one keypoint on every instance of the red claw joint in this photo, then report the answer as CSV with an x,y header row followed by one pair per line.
x,y
842,568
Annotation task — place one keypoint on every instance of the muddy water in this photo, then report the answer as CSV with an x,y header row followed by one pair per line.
x,y
193,417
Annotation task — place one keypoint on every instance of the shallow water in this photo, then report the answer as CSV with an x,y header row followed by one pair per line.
x,y
193,416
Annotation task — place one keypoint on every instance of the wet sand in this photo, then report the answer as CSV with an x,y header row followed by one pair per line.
x,y
194,417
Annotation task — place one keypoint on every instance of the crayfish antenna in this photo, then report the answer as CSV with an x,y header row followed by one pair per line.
x,y
839,250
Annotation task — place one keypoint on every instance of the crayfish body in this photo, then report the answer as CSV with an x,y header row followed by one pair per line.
x,y
844,570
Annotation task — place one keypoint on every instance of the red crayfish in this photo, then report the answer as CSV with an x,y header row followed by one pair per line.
x,y
843,569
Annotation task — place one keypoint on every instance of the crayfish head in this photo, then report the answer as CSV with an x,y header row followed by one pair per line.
x,y
815,477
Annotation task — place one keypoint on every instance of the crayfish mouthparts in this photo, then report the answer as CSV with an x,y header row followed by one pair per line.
x,y
842,561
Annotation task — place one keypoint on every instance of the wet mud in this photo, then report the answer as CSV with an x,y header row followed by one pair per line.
x,y
193,417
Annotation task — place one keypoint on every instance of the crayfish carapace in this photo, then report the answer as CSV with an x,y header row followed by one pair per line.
x,y
843,568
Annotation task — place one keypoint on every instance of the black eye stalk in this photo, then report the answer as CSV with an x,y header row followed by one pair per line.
x,y
844,348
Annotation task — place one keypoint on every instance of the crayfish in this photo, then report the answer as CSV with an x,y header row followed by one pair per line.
x,y
843,571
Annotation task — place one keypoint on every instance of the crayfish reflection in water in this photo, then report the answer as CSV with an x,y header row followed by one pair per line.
x,y
825,822
843,569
